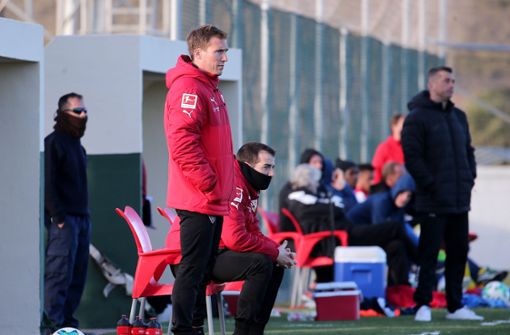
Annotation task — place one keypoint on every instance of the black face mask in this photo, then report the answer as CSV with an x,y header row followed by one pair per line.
x,y
69,124
257,180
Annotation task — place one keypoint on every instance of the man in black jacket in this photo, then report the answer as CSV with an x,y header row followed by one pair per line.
x,y
439,156
66,214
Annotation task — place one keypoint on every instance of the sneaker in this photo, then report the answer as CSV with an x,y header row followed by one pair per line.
x,y
486,275
423,314
464,313
384,309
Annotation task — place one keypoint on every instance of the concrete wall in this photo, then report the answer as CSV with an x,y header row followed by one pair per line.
x,y
490,217
21,101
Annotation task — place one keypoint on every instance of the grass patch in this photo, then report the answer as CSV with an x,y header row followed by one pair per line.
x,y
400,325
403,325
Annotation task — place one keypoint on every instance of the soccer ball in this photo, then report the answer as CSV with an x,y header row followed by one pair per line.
x,y
496,290
68,331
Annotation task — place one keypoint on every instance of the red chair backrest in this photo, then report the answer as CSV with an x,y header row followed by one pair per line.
x,y
168,214
292,219
142,239
270,220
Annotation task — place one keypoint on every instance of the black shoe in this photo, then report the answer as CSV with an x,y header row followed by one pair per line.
x,y
408,311
488,275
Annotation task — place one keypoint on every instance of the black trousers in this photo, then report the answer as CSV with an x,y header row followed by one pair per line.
x,y
392,237
200,236
262,280
453,230
65,269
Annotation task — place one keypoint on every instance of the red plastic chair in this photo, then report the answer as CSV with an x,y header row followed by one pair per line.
x,y
211,289
304,260
151,263
270,220
309,241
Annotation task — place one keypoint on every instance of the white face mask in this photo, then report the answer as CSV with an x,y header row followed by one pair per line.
x,y
314,185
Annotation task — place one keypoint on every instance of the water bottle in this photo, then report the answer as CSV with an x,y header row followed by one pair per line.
x,y
138,327
123,326
153,327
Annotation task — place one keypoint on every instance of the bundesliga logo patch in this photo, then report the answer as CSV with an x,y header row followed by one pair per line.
x,y
189,101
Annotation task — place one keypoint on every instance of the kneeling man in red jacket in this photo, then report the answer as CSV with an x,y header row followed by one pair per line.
x,y
245,253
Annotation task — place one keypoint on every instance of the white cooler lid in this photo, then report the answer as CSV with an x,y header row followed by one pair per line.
x,y
372,254
337,293
336,285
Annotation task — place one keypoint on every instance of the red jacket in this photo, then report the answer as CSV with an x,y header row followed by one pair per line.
x,y
241,230
201,158
387,151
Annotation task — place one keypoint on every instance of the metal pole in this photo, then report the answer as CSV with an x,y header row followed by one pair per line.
x,y
59,14
108,19
342,97
202,8
404,90
153,17
264,80
422,47
83,17
293,96
264,71
365,84
69,21
142,16
318,112
175,19
165,7
385,87
96,21
443,12
237,38
29,9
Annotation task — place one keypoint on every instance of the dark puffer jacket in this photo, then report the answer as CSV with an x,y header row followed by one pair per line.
x,y
380,207
439,156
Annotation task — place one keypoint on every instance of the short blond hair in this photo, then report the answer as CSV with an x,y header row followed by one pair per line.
x,y
200,37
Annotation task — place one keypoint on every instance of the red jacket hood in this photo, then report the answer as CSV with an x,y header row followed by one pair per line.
x,y
185,68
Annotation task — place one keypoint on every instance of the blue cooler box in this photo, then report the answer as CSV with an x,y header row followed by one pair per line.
x,y
366,266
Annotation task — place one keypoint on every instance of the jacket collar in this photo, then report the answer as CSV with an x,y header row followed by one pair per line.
x,y
254,194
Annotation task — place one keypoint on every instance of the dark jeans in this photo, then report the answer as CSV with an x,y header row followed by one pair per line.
x,y
262,280
199,243
453,230
392,237
65,269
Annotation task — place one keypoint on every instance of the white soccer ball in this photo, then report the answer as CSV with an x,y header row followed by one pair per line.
x,y
68,331
496,290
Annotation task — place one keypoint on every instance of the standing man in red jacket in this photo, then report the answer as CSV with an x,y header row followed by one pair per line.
x,y
200,166
245,253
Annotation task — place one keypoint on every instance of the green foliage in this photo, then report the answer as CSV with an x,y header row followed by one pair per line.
x,y
487,129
